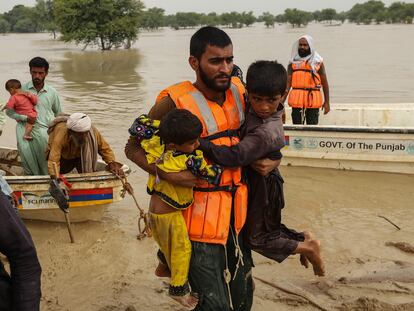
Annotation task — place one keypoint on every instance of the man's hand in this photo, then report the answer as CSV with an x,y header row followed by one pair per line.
x,y
115,168
30,120
265,166
15,200
183,178
326,107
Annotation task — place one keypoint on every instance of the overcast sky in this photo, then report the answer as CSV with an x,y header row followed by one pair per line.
x,y
205,6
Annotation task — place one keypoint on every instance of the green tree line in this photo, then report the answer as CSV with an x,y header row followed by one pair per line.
x,y
115,23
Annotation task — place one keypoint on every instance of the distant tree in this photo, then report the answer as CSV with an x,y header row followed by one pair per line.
x,y
268,19
106,23
280,18
232,19
21,19
367,12
328,15
152,18
210,19
316,16
297,17
247,18
44,12
400,12
188,19
4,25
341,17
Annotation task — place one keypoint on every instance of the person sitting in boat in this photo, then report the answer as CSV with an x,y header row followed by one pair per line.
x,y
172,145
75,143
262,136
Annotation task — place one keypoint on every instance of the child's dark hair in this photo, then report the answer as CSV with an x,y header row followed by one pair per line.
x,y
180,126
208,35
39,62
266,78
13,84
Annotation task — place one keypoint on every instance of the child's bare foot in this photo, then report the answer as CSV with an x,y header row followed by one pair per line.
x,y
162,271
308,235
189,300
314,256
27,137
304,261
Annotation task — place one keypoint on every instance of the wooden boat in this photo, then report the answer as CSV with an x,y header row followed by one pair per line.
x,y
89,197
364,137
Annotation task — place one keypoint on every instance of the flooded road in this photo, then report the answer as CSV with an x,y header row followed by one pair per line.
x,y
108,269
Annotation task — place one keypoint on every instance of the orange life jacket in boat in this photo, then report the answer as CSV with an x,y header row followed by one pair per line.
x,y
306,86
208,218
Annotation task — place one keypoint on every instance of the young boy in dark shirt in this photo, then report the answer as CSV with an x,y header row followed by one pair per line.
x,y
262,137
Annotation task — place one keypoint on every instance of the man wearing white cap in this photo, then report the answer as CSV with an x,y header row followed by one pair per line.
x,y
75,143
306,77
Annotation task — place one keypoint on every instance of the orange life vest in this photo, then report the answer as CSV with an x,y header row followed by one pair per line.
x,y
306,86
208,218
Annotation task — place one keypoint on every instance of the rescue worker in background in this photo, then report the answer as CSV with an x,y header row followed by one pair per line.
x,y
306,77
220,268
75,143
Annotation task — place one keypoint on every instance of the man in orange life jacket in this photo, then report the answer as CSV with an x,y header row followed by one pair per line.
x,y
306,76
220,269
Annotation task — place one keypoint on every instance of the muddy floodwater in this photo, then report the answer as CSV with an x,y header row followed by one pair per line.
x,y
108,269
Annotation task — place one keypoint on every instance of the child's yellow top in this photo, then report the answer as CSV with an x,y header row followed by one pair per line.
x,y
146,131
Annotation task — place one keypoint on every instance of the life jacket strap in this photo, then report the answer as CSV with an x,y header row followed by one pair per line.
x,y
226,133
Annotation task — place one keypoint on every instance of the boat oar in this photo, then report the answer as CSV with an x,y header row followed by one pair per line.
x,y
60,193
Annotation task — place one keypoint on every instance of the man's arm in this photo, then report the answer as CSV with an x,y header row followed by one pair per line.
x,y
325,86
55,144
251,148
14,115
17,245
2,120
56,107
289,82
104,149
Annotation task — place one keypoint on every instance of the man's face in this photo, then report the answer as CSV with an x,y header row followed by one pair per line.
x,y
215,67
264,106
303,49
38,75
78,137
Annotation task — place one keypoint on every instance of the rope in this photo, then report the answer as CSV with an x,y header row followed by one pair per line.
x,y
144,229
237,253
227,278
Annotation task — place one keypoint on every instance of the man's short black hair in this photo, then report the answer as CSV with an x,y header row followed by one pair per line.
x,y
266,78
208,36
13,84
39,62
180,126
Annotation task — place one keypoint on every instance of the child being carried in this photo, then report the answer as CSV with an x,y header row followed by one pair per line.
x,y
171,144
22,103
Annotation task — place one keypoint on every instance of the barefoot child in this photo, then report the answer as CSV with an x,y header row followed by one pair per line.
x,y
262,137
172,145
22,103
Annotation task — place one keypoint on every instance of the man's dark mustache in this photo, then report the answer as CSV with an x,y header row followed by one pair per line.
x,y
223,76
